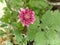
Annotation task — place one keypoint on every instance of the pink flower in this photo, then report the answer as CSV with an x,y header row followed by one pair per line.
x,y
26,16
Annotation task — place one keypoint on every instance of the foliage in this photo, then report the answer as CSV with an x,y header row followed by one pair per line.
x,y
44,31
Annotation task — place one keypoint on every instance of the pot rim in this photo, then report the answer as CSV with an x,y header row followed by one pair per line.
x,y
53,3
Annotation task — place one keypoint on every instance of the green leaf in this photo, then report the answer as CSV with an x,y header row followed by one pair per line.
x,y
17,26
18,36
33,29
8,16
40,39
51,23
51,20
1,33
55,40
38,3
15,4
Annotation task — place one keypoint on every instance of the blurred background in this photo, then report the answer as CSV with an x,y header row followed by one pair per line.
x,y
2,5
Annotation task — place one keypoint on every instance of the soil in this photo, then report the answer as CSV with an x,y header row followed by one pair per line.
x,y
54,0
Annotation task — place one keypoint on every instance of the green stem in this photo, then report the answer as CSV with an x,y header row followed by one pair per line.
x,y
24,30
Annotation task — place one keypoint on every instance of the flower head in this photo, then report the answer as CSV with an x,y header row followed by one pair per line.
x,y
26,16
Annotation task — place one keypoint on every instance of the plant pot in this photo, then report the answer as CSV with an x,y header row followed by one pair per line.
x,y
54,0
54,3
